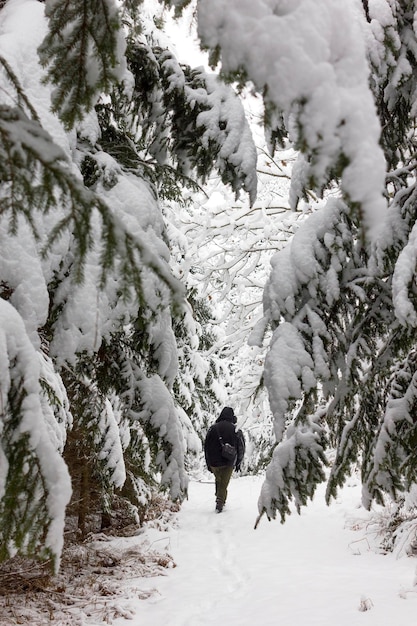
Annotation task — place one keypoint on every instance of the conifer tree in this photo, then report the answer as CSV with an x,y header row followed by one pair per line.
x,y
80,188
340,301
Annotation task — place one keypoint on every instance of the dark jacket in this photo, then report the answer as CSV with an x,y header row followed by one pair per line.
x,y
224,428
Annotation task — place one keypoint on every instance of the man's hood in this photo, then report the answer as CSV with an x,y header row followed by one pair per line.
x,y
227,415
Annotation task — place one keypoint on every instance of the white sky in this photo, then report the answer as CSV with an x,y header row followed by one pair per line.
x,y
183,32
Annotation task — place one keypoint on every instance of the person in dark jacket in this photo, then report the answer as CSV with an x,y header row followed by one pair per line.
x,y
222,432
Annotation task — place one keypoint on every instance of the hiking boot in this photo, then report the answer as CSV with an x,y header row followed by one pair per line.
x,y
219,507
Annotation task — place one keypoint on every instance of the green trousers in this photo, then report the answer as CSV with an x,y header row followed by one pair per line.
x,y
222,475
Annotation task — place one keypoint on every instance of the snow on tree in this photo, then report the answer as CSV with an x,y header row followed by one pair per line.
x,y
121,369
34,481
312,76
88,145
225,253
340,301
339,307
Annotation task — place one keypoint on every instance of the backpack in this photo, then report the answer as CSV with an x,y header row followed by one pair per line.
x,y
229,452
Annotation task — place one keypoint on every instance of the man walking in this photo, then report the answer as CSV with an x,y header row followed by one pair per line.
x,y
221,461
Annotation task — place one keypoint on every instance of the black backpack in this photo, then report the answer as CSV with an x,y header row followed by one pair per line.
x,y
229,452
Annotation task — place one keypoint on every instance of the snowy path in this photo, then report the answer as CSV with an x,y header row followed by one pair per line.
x,y
311,571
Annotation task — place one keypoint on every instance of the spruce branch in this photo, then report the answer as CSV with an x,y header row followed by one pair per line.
x,y
36,176
21,99
201,126
80,52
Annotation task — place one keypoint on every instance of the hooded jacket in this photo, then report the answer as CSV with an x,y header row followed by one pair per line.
x,y
224,427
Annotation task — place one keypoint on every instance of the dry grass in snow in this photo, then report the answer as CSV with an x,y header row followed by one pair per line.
x,y
93,579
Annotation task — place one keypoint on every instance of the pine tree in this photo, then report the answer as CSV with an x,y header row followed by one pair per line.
x,y
348,317
80,188
35,485
340,301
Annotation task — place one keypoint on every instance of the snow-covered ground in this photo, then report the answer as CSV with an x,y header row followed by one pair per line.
x,y
319,568
322,568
